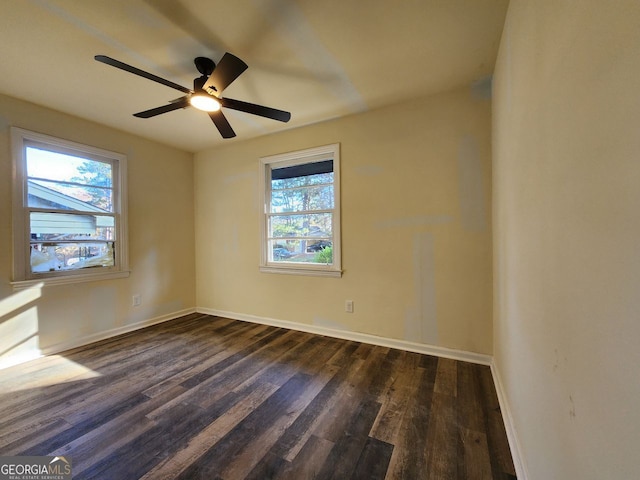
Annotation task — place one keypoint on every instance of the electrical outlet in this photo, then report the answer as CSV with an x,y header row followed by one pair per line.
x,y
348,306
136,300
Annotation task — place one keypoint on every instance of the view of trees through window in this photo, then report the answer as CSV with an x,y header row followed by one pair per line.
x,y
71,211
301,218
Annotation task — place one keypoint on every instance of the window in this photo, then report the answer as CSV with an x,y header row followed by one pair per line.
x,y
69,223
301,222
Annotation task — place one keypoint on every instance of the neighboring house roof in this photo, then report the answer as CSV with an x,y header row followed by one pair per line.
x,y
60,223
63,201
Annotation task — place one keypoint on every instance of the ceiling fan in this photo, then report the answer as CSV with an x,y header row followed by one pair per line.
x,y
206,91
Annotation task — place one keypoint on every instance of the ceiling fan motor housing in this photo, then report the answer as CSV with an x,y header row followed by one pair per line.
x,y
205,65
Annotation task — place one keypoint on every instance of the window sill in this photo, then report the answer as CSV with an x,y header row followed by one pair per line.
x,y
67,280
301,271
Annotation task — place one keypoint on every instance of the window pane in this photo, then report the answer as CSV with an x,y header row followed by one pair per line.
x,y
301,251
51,256
307,225
68,226
67,168
302,199
61,196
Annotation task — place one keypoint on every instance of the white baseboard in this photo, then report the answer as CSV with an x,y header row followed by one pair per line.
x,y
462,355
96,337
507,418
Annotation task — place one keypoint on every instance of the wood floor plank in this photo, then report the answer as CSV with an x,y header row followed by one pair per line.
x,y
207,355
224,453
120,378
15,442
298,433
85,426
343,458
355,389
374,460
477,464
205,397
251,366
408,459
447,377
443,437
199,444
309,362
307,463
195,386
470,412
400,388
98,444
135,458
499,452
329,412
260,444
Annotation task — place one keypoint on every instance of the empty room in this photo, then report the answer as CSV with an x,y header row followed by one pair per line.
x,y
290,239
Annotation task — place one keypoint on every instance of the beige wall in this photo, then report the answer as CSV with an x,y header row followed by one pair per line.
x,y
161,241
566,229
416,227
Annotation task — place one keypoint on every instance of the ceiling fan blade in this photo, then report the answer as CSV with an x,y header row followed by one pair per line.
x,y
177,104
136,71
222,124
254,109
228,69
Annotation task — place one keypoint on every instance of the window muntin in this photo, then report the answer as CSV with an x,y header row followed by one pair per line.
x,y
68,210
301,222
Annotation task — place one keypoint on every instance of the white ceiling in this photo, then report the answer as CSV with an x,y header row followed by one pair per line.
x,y
317,59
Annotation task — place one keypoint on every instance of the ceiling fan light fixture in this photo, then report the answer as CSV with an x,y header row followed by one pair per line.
x,y
205,102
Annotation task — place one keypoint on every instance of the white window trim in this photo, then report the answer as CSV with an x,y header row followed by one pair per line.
x,y
289,159
22,276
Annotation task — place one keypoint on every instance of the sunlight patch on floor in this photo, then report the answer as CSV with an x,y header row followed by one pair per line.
x,y
44,372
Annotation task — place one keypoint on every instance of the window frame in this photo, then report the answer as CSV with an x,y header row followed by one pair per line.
x,y
23,277
310,155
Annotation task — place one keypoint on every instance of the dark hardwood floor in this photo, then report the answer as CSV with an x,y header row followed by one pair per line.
x,y
213,398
